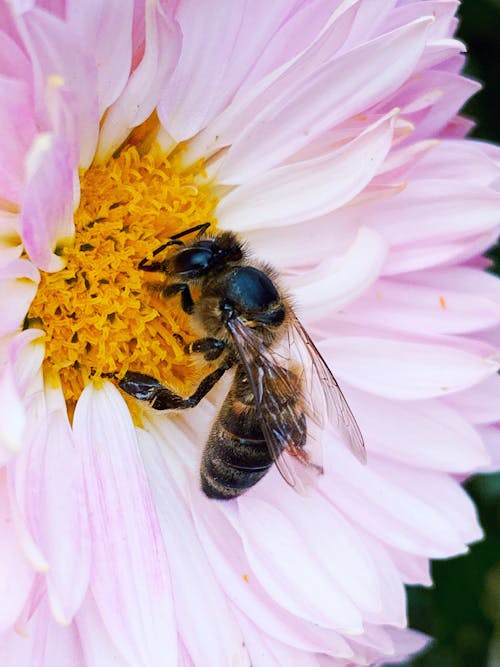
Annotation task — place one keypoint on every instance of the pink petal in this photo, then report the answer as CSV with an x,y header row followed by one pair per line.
x,y
13,61
308,108
370,21
491,439
12,415
443,12
17,131
225,552
11,246
145,85
479,404
16,574
403,259
413,569
50,469
436,436
47,209
48,40
426,211
423,512
106,30
25,355
209,644
267,652
276,564
351,563
405,370
131,585
43,642
407,642
255,95
98,647
402,305
18,376
273,198
455,91
212,62
306,23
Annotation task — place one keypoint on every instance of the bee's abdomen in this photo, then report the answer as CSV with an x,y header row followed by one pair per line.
x,y
236,455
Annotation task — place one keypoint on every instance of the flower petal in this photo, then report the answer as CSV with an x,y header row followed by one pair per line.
x,y
47,470
18,284
273,199
99,649
405,370
481,403
424,512
145,85
42,642
210,644
106,29
343,278
130,583
17,131
405,306
16,574
47,208
277,562
306,108
435,436
426,211
337,552
47,40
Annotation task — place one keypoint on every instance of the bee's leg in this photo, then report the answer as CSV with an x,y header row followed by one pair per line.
x,y
146,388
174,240
201,229
211,348
187,302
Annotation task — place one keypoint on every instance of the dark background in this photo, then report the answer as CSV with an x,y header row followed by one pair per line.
x,y
462,610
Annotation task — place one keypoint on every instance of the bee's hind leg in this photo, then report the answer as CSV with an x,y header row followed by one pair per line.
x,y
147,388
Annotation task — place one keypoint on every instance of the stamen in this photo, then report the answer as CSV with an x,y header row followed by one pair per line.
x,y
99,316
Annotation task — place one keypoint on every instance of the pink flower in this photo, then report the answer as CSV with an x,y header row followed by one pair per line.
x,y
326,134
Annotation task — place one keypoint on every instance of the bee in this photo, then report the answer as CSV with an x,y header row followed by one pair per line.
x,y
283,393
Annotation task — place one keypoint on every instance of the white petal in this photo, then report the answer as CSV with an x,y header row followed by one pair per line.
x,y
342,278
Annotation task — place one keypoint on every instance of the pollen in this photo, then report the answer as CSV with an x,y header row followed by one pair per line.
x,y
101,314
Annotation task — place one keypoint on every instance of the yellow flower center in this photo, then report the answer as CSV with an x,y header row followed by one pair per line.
x,y
99,315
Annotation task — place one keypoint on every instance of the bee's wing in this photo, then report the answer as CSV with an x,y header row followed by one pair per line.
x,y
325,402
274,386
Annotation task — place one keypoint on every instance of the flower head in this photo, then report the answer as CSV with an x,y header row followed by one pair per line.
x,y
326,135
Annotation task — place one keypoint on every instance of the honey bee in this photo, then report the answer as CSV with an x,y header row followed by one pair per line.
x,y
282,391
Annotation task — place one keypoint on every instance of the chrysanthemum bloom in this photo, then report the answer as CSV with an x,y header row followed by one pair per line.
x,y
326,134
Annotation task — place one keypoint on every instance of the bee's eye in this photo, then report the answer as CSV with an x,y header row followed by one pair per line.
x,y
192,262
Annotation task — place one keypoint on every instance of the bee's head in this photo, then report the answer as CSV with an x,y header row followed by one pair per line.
x,y
203,257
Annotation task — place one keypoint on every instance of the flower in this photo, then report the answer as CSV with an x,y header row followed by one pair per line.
x,y
326,134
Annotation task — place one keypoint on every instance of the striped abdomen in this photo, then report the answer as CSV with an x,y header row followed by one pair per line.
x,y
236,455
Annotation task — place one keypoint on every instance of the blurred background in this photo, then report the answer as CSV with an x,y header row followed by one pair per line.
x,y
462,610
